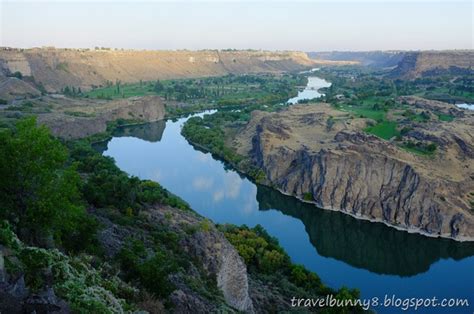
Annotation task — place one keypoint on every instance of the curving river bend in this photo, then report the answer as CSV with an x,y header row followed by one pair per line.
x,y
342,250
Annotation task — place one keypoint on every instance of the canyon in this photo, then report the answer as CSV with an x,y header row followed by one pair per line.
x,y
320,155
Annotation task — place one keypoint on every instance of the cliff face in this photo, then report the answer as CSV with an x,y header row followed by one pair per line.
x,y
57,68
426,63
338,167
205,245
77,118
375,59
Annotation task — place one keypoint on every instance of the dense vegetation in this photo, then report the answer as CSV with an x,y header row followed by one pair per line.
x,y
223,88
40,188
206,132
363,82
108,186
189,95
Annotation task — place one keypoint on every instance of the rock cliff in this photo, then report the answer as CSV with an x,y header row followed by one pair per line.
x,y
72,118
426,63
318,154
57,68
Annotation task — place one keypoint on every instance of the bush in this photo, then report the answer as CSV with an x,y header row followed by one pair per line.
x,y
84,288
152,272
258,249
17,74
308,196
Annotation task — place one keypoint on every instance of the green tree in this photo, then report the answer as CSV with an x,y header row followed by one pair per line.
x,y
38,191
158,87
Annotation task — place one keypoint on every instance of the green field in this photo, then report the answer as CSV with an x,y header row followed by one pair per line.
x,y
385,130
364,111
445,117
419,150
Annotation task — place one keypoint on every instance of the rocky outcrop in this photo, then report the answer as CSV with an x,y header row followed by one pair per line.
x,y
13,88
57,68
95,117
220,257
203,242
375,59
428,63
362,175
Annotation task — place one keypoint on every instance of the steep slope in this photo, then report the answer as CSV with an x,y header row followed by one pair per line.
x,y
376,59
13,88
318,154
57,68
428,63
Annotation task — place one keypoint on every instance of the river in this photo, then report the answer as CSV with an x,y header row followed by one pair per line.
x,y
311,90
342,250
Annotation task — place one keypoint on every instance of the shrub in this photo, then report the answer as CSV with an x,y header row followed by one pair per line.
x,y
151,271
84,288
308,196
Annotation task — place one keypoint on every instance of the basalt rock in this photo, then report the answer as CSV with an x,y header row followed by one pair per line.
x,y
347,170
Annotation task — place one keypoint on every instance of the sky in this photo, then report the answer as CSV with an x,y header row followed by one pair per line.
x,y
319,25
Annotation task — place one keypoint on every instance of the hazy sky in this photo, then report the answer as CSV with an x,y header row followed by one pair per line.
x,y
293,25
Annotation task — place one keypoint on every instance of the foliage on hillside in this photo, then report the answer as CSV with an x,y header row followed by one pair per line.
x,y
85,288
108,186
40,188
266,259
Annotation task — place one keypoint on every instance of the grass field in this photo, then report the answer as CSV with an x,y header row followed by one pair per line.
x,y
445,117
364,111
418,150
385,130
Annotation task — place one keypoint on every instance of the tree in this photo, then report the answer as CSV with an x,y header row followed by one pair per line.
x,y
67,90
38,191
17,74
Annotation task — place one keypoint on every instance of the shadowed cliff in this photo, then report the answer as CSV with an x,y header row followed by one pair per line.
x,y
371,246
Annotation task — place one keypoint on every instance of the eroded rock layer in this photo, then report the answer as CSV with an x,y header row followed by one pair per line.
x,y
57,68
321,155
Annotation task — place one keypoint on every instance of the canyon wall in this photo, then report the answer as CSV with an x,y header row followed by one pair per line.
x,y
338,167
57,68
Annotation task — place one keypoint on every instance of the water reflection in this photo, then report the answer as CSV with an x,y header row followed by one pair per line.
x,y
363,244
311,90
341,249
150,132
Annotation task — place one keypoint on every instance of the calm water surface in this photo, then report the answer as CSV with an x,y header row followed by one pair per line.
x,y
466,106
311,89
344,251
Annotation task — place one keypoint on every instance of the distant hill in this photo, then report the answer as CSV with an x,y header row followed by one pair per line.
x,y
376,59
432,63
56,68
